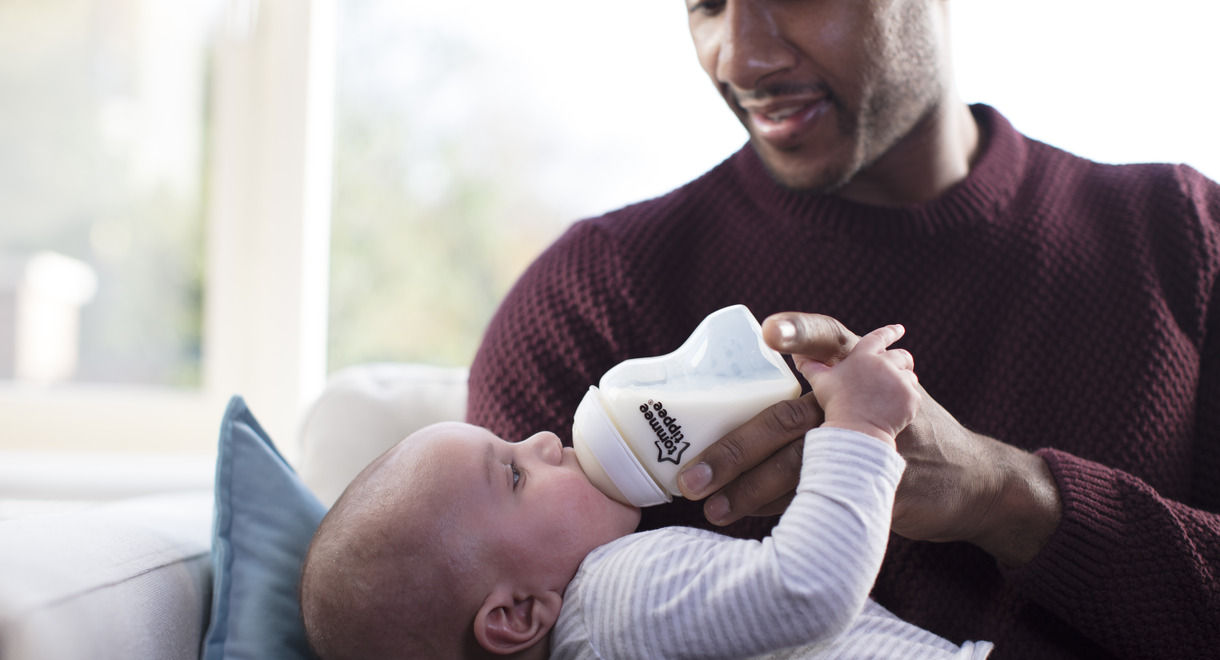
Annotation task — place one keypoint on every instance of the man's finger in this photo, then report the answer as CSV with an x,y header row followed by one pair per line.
x,y
764,490
748,446
776,507
818,336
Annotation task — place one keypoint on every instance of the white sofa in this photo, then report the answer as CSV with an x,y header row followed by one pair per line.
x,y
132,579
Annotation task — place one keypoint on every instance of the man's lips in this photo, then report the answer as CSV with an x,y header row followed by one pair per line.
x,y
783,115
784,119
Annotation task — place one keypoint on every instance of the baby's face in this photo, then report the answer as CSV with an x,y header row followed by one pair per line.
x,y
529,500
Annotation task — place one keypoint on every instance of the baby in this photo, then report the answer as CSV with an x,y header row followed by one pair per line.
x,y
458,544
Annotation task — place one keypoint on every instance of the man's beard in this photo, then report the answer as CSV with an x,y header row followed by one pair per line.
x,y
837,175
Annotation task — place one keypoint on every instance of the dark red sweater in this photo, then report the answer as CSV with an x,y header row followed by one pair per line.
x,y
1057,304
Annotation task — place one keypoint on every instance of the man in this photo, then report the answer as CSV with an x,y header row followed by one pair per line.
x,y
1061,490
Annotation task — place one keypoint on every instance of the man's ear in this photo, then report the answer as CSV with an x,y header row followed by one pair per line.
x,y
509,622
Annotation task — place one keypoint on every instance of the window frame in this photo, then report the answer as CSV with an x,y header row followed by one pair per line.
x,y
267,257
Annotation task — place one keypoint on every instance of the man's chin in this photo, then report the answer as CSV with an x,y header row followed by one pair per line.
x,y
803,177
801,174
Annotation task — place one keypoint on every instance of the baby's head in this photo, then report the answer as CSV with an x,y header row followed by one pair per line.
x,y
454,543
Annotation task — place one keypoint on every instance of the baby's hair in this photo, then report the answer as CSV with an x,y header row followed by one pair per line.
x,y
370,589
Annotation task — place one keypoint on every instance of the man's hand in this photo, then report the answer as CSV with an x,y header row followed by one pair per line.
x,y
963,486
958,485
753,471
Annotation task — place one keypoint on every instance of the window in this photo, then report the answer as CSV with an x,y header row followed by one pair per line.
x,y
102,180
468,135
169,172
170,243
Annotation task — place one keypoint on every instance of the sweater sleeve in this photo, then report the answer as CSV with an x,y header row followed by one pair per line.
x,y
1131,569
1135,569
680,592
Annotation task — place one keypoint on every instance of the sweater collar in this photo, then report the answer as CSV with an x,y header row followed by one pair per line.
x,y
980,197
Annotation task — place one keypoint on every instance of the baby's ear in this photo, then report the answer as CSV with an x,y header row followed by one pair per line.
x,y
509,622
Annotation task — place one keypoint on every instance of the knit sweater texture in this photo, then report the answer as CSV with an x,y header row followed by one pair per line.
x,y
1060,305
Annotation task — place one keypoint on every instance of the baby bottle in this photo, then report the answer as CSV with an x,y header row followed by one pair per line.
x,y
636,427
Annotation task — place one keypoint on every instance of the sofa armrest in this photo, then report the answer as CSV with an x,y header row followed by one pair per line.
x,y
129,579
366,409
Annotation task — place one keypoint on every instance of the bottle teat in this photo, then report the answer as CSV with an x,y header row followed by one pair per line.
x,y
606,458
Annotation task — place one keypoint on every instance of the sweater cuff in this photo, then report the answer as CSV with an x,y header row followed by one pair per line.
x,y
1075,556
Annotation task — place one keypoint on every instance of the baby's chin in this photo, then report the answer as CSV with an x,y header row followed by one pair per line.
x,y
632,516
618,511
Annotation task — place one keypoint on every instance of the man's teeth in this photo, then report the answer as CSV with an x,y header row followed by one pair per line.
x,y
780,115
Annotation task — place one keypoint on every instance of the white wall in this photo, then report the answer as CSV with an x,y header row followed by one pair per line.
x,y
1113,80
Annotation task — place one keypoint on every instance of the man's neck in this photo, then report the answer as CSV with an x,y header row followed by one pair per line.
x,y
932,158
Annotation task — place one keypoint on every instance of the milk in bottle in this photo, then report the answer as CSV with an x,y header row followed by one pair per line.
x,y
647,416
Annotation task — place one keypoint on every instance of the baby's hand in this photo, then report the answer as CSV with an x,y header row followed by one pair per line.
x,y
872,390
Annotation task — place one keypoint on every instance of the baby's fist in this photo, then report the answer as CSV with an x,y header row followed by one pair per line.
x,y
873,390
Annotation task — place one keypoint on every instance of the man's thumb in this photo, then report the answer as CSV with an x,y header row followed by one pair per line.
x,y
817,336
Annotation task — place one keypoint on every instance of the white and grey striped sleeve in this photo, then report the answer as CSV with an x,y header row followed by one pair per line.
x,y
686,593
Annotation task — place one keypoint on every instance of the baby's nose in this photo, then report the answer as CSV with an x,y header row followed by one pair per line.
x,y
548,447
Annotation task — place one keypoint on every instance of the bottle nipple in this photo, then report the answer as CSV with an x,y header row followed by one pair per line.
x,y
606,458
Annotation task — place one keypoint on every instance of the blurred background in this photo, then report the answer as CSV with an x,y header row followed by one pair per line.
x,y
207,197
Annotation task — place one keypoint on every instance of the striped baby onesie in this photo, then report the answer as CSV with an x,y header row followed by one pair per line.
x,y
802,592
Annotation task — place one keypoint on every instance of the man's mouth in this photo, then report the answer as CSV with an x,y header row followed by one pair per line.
x,y
782,114
784,121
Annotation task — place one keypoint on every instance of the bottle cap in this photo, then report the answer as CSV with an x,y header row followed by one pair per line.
x,y
606,458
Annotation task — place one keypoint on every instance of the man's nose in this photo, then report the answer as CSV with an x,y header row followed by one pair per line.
x,y
752,44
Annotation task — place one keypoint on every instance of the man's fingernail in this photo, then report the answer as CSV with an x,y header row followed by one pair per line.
x,y
787,330
695,478
717,508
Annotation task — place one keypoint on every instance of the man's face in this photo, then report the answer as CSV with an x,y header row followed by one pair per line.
x,y
529,501
826,88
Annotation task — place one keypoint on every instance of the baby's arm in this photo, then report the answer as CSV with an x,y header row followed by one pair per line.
x,y
698,595
873,390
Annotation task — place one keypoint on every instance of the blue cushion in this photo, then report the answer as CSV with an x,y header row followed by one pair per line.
x,y
262,524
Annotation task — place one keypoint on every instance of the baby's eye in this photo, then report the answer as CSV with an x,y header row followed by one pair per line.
x,y
516,474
